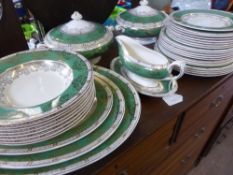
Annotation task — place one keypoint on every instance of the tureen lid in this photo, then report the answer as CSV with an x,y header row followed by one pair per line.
x,y
141,16
78,35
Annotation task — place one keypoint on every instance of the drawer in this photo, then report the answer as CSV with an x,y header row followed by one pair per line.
x,y
182,159
210,108
229,115
149,152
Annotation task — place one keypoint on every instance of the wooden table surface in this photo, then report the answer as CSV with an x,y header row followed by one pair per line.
x,y
155,112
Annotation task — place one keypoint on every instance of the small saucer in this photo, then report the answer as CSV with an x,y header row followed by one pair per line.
x,y
149,91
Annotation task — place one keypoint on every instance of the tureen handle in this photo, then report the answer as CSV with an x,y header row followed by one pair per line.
x,y
76,16
143,2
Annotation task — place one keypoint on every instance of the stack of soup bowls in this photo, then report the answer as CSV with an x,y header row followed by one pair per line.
x,y
58,115
40,98
148,70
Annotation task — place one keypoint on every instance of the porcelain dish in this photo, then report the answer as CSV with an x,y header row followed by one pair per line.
x,y
146,86
206,20
205,48
87,38
144,61
77,148
32,115
142,22
122,118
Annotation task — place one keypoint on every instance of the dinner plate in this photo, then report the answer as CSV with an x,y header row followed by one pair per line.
x,y
96,118
192,60
228,67
198,39
204,71
189,54
194,53
194,57
199,43
198,33
193,50
130,120
206,74
205,20
149,91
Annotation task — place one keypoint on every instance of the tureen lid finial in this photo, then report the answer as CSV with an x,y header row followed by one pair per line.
x,y
143,2
76,16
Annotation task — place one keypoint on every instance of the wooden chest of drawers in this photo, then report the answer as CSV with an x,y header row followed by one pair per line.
x,y
197,125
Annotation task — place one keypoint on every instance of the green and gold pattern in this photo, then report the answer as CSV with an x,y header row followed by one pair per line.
x,y
157,73
141,26
163,86
127,16
58,35
90,42
177,17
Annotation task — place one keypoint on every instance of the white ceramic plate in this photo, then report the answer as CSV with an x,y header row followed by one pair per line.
x,y
205,20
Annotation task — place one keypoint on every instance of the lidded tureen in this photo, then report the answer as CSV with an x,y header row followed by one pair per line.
x,y
142,21
88,38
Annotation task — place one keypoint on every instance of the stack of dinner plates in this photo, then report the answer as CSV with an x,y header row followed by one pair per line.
x,y
80,115
203,39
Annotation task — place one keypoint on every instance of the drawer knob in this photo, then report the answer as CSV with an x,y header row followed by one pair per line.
x,y
200,132
185,160
123,172
217,102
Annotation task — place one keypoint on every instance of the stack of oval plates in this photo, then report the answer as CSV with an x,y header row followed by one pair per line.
x,y
106,125
203,39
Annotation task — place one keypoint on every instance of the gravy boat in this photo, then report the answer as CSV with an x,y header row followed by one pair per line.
x,y
144,61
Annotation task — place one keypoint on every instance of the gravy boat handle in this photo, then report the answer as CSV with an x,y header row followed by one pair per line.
x,y
180,65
